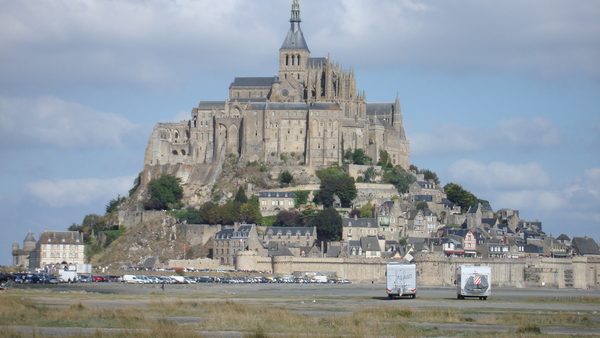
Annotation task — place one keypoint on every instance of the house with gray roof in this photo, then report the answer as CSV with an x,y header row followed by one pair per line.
x,y
231,239
272,202
291,237
355,228
585,246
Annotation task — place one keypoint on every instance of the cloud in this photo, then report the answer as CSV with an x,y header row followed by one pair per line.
x,y
162,43
50,121
499,175
61,193
519,133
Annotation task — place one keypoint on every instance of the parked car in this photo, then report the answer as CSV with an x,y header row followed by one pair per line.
x,y
85,278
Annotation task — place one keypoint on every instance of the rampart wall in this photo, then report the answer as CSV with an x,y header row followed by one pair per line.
x,y
132,218
578,272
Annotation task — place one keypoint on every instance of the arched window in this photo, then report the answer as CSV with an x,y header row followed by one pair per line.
x,y
182,152
175,152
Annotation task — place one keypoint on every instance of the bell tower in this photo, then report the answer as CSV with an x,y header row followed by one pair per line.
x,y
294,53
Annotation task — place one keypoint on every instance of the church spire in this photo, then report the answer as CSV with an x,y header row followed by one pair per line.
x,y
295,11
295,38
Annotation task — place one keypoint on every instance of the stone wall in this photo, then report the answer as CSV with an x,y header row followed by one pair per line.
x,y
199,234
200,263
132,218
578,272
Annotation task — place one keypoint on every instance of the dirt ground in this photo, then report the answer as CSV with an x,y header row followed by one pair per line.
x,y
339,299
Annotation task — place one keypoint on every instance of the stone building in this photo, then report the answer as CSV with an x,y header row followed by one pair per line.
x,y
272,202
229,241
353,229
309,113
290,236
58,247
21,256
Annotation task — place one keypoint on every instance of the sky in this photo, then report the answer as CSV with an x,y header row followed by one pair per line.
x,y
502,98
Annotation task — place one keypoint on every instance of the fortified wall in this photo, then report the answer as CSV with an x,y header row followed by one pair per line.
x,y
578,272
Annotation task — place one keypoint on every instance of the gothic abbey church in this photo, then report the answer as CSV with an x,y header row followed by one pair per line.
x,y
310,113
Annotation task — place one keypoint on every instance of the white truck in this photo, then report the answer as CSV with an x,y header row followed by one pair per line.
x,y
401,280
473,281
131,279
67,276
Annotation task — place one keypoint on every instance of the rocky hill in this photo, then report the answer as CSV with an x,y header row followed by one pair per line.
x,y
158,238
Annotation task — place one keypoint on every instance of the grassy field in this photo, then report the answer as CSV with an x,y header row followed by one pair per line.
x,y
213,315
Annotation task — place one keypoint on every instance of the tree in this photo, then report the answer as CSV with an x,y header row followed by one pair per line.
x,y
114,203
354,213
359,157
334,181
421,205
430,175
206,212
366,211
286,218
249,213
285,177
457,194
384,158
167,190
241,196
329,224
400,178
370,175
302,196
136,184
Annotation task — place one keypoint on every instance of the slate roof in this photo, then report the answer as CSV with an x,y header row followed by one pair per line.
x,y
277,194
325,106
489,221
334,251
359,222
291,230
252,82
426,185
295,38
585,246
282,252
287,106
29,237
318,61
422,198
208,105
369,243
447,203
380,109
563,237
56,237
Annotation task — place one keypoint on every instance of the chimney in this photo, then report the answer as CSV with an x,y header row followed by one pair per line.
x,y
355,216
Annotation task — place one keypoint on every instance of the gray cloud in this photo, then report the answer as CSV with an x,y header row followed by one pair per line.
x,y
50,121
61,193
161,43
499,175
532,133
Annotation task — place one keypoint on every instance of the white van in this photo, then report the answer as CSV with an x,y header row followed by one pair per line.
x,y
131,279
473,281
401,280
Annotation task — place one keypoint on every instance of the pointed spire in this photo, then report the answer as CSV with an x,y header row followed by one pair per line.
x,y
295,11
295,38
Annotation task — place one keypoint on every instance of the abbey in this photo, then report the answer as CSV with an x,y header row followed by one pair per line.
x,y
310,113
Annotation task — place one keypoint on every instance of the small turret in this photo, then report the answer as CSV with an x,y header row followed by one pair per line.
x,y
29,242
